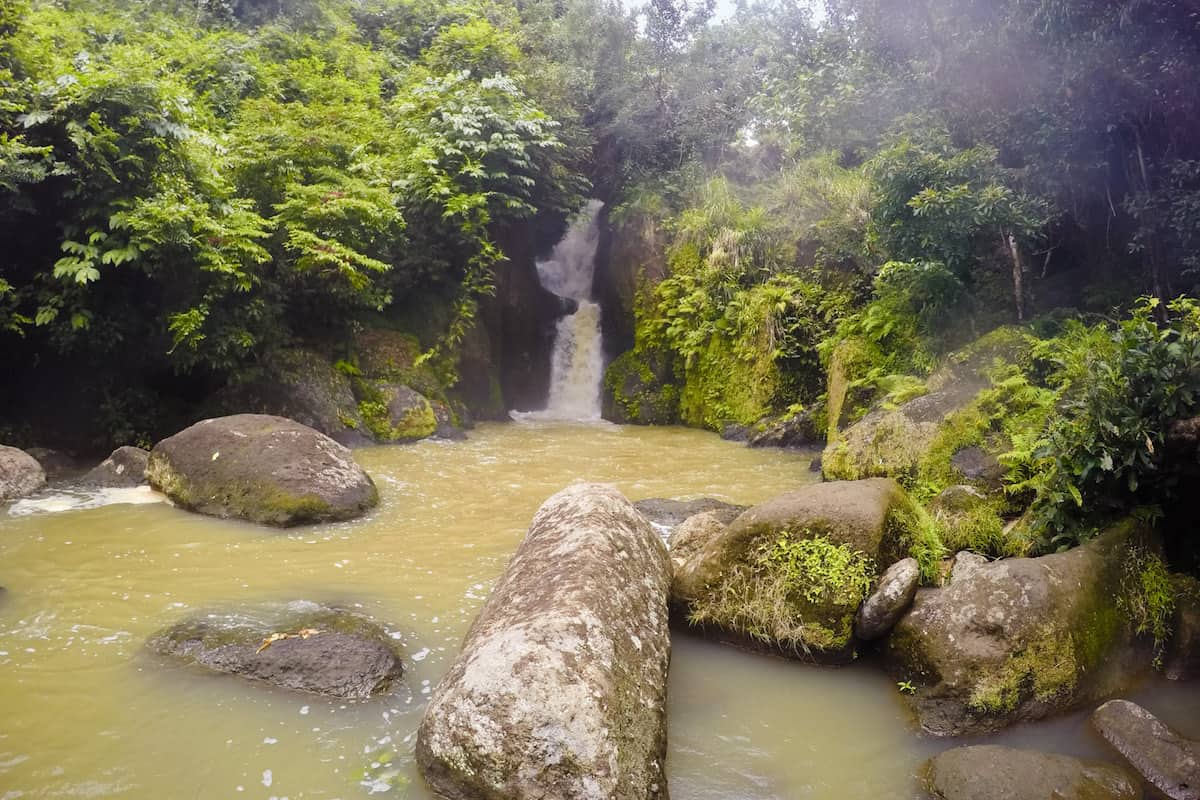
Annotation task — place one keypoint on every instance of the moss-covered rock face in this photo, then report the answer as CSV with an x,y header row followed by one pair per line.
x,y
301,385
791,573
20,474
265,469
640,390
1023,638
560,690
299,646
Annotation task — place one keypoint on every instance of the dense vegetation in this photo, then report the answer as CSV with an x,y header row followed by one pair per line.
x,y
824,203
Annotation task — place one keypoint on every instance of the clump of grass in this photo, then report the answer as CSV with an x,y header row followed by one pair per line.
x,y
798,592
1148,597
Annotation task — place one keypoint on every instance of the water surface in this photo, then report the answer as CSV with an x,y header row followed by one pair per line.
x,y
86,712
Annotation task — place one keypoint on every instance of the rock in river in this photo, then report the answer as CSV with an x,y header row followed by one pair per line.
x,y
993,772
1023,638
669,513
789,574
124,468
20,474
560,689
301,646
895,593
1162,756
265,469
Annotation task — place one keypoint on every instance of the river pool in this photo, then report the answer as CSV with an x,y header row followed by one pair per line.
x,y
85,711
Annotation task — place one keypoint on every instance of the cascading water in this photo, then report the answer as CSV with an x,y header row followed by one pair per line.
x,y
577,360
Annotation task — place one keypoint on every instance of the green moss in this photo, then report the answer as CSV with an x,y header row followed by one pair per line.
x,y
637,392
981,529
918,534
891,450
1007,344
797,592
1043,670
728,384
1148,596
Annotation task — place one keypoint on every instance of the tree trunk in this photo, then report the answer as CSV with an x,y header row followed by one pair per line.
x,y
1010,243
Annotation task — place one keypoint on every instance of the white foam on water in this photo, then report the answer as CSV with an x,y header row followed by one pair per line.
x,y
59,500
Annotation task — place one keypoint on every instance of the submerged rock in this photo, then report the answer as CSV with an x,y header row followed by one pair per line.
x,y
790,573
20,474
993,772
1164,758
670,513
264,469
301,646
1021,638
560,689
125,467
891,598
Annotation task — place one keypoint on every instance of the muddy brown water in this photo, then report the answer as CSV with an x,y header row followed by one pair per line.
x,y
85,711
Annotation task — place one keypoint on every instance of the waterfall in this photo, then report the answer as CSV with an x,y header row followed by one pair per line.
x,y
577,361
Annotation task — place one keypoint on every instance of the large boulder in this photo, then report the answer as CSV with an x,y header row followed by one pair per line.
x,y
20,474
56,463
264,469
791,573
892,442
560,689
1163,757
300,646
303,386
125,467
994,772
1023,638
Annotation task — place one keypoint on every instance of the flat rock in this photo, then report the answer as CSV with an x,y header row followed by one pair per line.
x,y
268,470
1164,758
300,646
125,467
20,474
560,689
891,598
993,772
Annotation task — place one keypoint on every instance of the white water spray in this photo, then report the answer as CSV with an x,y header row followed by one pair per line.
x,y
577,361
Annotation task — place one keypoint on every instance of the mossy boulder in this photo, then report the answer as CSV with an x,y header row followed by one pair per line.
x,y
124,467
265,469
892,442
940,436
20,474
789,574
301,385
792,430
560,689
1024,638
396,413
299,646
639,389
994,772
